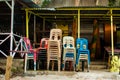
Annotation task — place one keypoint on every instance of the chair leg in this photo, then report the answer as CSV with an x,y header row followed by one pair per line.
x,y
88,62
70,65
59,63
38,64
88,66
53,65
83,65
25,66
48,63
77,68
74,65
63,66
77,64
34,65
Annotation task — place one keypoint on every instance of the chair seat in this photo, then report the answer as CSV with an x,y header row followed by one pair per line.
x,y
83,57
30,54
69,55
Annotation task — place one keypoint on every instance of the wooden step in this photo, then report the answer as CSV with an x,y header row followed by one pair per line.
x,y
98,62
96,65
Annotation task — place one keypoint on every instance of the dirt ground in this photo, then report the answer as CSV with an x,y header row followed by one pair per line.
x,y
66,75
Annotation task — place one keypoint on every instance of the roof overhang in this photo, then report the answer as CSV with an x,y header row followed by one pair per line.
x,y
68,13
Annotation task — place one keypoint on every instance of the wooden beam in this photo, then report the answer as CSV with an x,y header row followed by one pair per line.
x,y
8,67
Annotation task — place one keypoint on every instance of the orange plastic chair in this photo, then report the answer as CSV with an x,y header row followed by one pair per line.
x,y
54,48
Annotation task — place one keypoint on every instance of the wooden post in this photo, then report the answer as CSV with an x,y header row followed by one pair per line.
x,y
8,67
94,39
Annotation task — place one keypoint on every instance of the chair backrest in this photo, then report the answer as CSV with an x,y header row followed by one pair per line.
x,y
56,34
27,42
68,41
44,43
82,44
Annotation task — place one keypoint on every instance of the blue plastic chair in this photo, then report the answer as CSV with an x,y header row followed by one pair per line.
x,y
83,53
69,51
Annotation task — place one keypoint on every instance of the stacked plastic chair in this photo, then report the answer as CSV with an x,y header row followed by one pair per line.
x,y
31,53
83,53
69,51
42,54
54,48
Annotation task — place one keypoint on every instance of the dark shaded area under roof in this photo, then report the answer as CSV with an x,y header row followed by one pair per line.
x,y
19,4
65,14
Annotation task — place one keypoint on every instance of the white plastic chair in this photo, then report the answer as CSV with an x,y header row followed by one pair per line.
x,y
69,53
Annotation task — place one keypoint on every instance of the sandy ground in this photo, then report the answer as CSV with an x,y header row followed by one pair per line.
x,y
66,75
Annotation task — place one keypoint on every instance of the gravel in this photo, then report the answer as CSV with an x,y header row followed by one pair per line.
x,y
66,75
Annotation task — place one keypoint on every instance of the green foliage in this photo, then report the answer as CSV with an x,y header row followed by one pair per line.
x,y
45,3
112,2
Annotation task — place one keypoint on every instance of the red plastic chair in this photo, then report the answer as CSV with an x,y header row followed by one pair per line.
x,y
42,54
31,52
44,43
